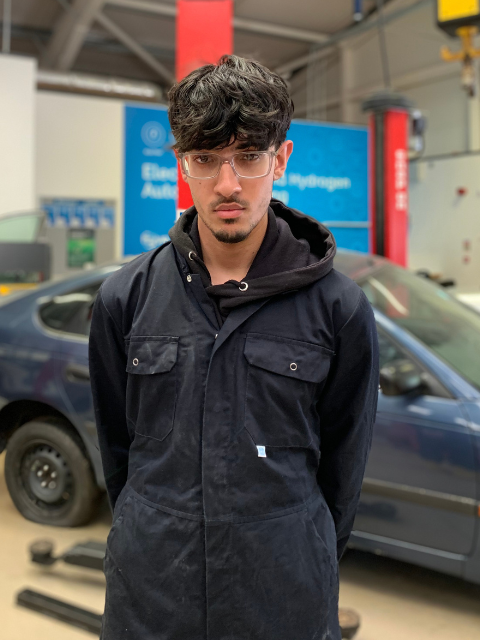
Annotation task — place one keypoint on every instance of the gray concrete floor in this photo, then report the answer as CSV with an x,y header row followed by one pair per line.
x,y
396,601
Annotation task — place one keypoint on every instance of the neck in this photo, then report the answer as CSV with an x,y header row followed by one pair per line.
x,y
226,261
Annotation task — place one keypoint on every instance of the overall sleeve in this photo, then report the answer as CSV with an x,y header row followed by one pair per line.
x,y
107,362
347,411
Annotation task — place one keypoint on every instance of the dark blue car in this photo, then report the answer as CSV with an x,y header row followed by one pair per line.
x,y
421,496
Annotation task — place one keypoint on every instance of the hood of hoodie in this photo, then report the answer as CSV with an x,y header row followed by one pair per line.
x,y
296,251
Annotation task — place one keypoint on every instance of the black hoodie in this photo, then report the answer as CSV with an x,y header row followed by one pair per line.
x,y
296,251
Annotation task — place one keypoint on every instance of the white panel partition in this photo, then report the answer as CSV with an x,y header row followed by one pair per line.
x,y
79,151
17,139
445,219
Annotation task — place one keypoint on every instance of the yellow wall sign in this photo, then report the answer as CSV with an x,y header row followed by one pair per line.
x,y
457,9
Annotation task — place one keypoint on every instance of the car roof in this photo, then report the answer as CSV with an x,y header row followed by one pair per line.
x,y
79,278
355,264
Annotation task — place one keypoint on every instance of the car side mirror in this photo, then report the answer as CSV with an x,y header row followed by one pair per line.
x,y
400,377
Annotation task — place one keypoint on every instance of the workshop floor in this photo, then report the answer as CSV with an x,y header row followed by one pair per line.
x,y
396,601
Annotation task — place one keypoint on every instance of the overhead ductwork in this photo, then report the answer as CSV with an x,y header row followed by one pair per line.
x,y
99,86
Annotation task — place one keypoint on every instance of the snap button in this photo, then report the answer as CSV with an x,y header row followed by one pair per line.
x,y
135,361
243,286
216,336
293,366
189,278
191,255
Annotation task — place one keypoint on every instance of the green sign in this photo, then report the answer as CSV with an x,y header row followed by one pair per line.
x,y
80,247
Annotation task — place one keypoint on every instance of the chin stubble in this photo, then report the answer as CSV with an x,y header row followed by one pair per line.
x,y
231,238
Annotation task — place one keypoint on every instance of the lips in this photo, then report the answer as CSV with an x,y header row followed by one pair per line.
x,y
229,211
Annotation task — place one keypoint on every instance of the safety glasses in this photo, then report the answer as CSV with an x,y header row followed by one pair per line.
x,y
245,164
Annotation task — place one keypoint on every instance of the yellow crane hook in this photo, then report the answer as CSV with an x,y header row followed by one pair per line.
x,y
466,55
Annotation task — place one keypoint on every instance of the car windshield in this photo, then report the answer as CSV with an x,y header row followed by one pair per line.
x,y
23,227
428,312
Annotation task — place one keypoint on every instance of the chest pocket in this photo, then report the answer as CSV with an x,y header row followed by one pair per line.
x,y
152,384
282,386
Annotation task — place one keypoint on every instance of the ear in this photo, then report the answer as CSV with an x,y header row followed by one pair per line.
x,y
184,176
281,160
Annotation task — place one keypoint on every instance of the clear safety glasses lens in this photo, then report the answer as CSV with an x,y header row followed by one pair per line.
x,y
246,165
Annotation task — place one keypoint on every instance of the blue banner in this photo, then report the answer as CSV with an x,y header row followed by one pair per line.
x,y
327,178
150,179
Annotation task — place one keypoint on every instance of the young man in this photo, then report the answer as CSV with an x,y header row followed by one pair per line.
x,y
235,378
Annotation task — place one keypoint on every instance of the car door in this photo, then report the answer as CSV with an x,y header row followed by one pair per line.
x,y
69,316
419,484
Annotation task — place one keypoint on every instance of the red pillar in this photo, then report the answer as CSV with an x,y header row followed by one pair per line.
x,y
396,186
389,130
204,34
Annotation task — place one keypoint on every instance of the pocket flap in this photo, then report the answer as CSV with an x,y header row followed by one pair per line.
x,y
152,355
292,358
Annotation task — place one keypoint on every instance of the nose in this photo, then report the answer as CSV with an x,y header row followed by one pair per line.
x,y
227,181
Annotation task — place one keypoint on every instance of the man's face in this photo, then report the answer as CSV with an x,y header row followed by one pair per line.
x,y
229,206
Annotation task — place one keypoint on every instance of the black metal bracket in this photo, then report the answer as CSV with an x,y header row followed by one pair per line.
x,y
60,610
89,554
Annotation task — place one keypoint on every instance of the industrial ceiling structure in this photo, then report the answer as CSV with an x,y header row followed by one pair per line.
x,y
112,45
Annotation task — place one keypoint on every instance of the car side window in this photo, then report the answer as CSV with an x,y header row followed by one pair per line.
x,y
388,351
70,312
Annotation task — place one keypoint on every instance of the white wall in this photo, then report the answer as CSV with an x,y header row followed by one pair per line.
x,y
445,106
418,72
17,140
79,150
440,221
444,225
416,69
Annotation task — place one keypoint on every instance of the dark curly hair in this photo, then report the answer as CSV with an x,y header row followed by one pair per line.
x,y
235,100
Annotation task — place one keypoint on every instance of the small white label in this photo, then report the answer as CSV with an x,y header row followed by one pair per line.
x,y
261,451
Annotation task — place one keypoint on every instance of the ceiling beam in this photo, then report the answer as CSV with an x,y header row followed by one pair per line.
x,y
146,6
279,31
69,34
59,53
94,40
136,48
241,24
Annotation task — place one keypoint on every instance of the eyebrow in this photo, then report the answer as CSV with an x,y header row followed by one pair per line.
x,y
216,151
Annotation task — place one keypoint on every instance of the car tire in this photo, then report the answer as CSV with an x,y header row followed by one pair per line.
x,y
48,475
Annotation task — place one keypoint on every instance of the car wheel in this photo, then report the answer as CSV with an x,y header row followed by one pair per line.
x,y
49,477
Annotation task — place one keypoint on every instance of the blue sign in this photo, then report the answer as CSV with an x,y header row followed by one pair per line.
x,y
79,214
150,179
327,178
